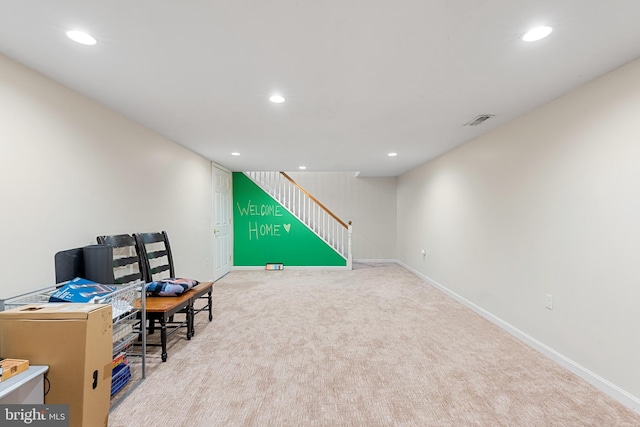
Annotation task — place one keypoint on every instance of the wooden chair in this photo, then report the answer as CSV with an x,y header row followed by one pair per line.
x,y
156,251
127,264
130,265
156,254
157,264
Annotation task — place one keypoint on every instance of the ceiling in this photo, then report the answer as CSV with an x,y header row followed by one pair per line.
x,y
361,78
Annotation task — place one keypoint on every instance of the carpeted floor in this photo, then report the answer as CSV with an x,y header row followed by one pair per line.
x,y
375,346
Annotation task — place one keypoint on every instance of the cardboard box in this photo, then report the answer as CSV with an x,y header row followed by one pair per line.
x,y
12,367
75,341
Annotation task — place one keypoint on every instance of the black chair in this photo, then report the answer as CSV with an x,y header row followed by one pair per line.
x,y
155,250
128,265
127,269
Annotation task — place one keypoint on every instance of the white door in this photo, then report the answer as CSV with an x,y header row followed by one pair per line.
x,y
222,243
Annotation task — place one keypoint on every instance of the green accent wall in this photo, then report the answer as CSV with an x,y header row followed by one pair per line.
x,y
265,232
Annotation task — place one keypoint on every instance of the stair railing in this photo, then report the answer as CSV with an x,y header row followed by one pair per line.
x,y
324,223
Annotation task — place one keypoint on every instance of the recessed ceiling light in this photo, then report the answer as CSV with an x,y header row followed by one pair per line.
x,y
302,167
277,99
81,37
392,154
537,34
235,153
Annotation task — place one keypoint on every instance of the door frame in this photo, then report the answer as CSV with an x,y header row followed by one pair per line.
x,y
229,249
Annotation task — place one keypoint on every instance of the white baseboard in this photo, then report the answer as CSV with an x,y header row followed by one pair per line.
x,y
625,398
376,261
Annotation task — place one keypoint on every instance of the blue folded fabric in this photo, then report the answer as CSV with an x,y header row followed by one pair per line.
x,y
171,287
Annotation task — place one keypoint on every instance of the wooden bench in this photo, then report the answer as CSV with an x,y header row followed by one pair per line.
x,y
163,309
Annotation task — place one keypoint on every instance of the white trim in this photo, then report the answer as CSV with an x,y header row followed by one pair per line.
x,y
229,196
376,261
214,164
622,396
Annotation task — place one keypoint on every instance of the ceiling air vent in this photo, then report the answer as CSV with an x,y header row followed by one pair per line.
x,y
480,119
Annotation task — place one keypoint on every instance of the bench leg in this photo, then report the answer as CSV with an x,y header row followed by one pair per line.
x,y
209,300
190,320
163,338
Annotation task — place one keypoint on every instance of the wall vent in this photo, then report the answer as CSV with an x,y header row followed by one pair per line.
x,y
480,119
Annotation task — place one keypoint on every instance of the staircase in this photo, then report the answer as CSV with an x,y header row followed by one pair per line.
x,y
324,223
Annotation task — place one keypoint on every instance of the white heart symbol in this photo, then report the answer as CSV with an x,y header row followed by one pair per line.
x,y
286,227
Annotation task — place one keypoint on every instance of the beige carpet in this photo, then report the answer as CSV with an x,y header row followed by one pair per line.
x,y
376,346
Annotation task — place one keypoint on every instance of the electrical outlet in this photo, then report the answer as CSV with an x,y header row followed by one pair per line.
x,y
548,301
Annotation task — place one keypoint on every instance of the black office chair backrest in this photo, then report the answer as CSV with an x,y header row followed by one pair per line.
x,y
128,266
155,250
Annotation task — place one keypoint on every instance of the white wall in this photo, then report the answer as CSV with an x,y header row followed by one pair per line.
x,y
549,203
71,169
370,203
